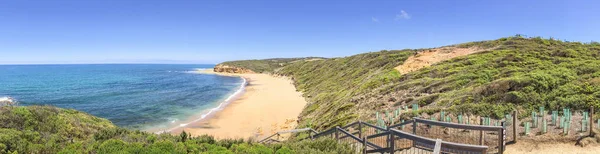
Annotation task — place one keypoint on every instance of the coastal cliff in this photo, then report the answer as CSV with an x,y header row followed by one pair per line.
x,y
231,69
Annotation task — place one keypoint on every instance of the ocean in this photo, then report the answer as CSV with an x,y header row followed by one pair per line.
x,y
135,96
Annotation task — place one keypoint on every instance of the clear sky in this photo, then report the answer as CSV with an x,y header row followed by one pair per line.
x,y
212,31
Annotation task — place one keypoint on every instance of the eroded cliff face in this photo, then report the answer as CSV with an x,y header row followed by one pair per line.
x,y
231,69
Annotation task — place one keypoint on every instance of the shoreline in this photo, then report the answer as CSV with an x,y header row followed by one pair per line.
x,y
207,113
267,104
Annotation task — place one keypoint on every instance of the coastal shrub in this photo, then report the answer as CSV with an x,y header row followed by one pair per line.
x,y
250,148
284,150
322,145
60,136
112,146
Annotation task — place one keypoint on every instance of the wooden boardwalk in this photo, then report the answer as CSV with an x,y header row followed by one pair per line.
x,y
369,138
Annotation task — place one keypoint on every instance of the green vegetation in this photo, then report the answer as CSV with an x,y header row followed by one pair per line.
x,y
45,129
334,86
521,73
266,65
515,73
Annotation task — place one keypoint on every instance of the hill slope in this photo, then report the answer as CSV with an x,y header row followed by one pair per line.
x,y
508,73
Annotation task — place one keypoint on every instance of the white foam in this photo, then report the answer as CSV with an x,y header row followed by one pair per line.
x,y
8,100
211,111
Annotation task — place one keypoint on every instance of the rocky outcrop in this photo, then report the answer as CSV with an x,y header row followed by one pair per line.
x,y
231,69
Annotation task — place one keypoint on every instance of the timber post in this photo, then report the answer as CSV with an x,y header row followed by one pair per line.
x,y
391,141
359,129
336,133
591,121
364,142
481,136
414,126
514,126
501,136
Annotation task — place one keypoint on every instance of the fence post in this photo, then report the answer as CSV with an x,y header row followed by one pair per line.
x,y
514,125
364,142
481,136
278,137
336,133
438,146
359,129
391,141
501,136
592,121
414,126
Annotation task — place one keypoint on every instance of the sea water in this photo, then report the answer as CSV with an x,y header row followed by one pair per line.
x,y
136,96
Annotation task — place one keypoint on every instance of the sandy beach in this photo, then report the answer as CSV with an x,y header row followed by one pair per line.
x,y
268,104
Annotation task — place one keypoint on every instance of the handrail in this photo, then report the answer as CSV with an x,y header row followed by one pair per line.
x,y
297,130
445,144
342,137
267,138
288,131
378,135
400,124
373,145
348,134
419,141
324,132
351,124
376,127
274,140
460,126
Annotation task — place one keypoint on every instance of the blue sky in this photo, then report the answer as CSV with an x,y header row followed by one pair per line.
x,y
211,31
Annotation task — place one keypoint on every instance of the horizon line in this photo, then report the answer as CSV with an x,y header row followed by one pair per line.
x,y
14,64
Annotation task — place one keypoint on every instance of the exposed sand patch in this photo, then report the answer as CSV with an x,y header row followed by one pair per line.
x,y
269,104
549,148
429,57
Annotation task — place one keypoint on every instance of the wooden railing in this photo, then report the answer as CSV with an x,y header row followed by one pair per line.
x,y
277,134
368,135
491,136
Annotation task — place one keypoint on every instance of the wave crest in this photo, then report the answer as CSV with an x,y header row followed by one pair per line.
x,y
8,101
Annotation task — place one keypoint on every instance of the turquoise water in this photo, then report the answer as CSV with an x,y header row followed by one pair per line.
x,y
132,96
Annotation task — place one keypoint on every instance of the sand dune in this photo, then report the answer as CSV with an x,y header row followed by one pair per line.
x,y
429,57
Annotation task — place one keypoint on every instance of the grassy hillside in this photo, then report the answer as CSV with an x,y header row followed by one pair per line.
x,y
521,73
265,65
334,86
45,129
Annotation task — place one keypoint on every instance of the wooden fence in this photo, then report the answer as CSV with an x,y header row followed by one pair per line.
x,y
374,139
563,123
